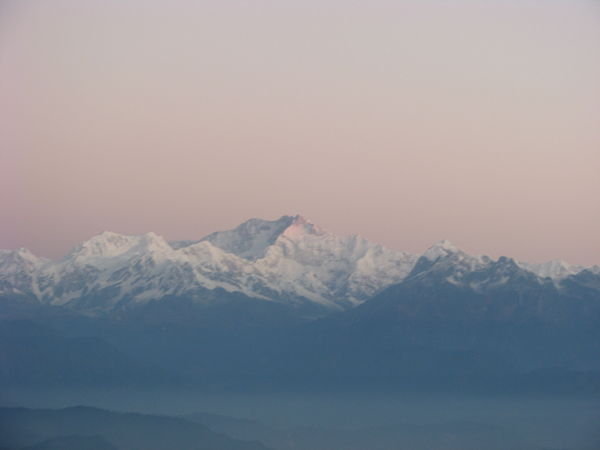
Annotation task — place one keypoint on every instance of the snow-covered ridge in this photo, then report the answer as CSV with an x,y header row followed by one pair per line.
x,y
556,269
288,259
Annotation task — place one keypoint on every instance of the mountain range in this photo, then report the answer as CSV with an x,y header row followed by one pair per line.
x,y
289,260
285,303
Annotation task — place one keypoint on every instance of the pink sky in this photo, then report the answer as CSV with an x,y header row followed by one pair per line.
x,y
404,121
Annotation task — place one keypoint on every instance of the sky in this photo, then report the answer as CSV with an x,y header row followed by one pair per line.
x,y
404,121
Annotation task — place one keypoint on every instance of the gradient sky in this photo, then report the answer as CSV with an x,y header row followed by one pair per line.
x,y
404,121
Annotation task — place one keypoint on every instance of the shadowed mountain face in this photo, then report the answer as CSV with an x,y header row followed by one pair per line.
x,y
458,289
34,354
45,429
457,323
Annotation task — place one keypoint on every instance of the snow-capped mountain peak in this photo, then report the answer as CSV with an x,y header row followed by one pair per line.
x,y
19,259
251,239
440,249
105,244
18,269
300,226
108,246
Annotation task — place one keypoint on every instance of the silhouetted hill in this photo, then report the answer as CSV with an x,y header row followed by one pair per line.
x,y
73,443
20,427
451,435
